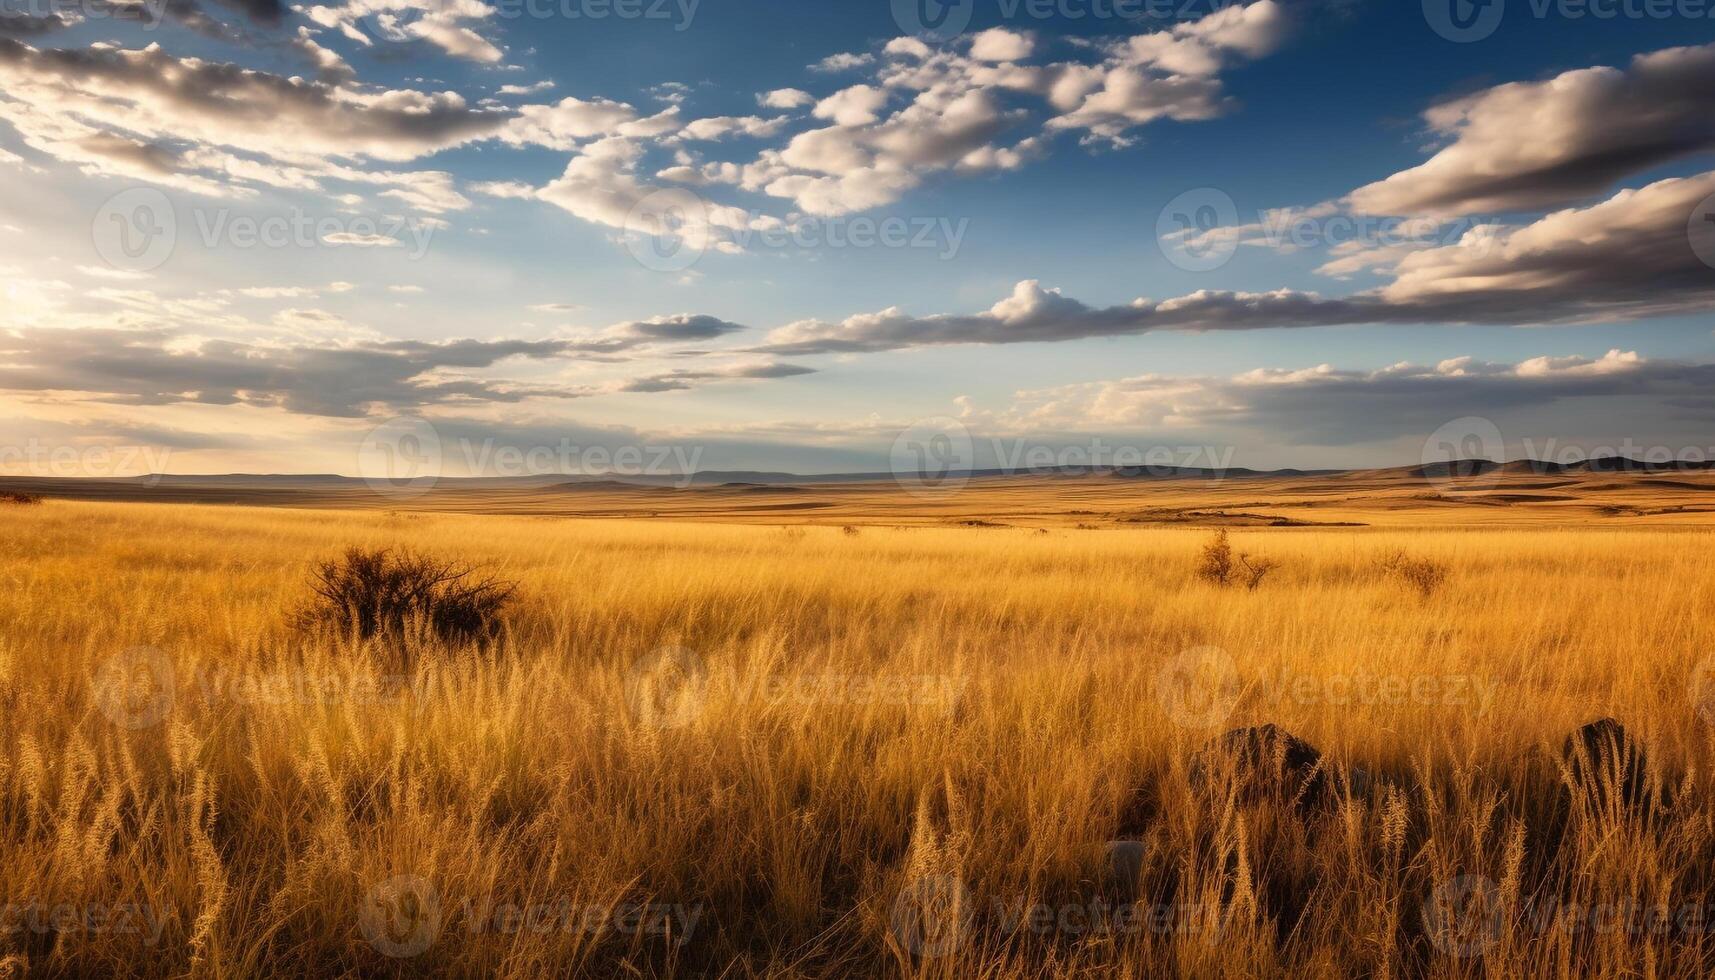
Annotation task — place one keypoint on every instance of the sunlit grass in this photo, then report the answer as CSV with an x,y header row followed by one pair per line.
x,y
878,729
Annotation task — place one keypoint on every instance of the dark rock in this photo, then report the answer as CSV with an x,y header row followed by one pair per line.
x,y
1268,763
1125,861
1608,768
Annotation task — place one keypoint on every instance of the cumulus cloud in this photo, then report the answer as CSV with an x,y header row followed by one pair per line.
x,y
1171,74
14,24
600,185
222,130
160,368
843,61
437,22
1625,258
1325,406
927,110
785,98
164,367
853,106
565,124
1000,44
1534,145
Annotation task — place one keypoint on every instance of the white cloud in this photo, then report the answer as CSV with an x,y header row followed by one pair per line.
x,y
854,106
843,62
1530,145
785,98
1000,44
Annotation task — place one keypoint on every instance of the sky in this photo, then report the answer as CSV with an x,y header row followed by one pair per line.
x,y
568,235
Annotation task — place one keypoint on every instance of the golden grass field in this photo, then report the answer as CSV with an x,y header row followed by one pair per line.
x,y
897,750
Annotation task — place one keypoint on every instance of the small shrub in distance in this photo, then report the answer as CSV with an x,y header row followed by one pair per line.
x,y
1216,563
21,499
386,593
1219,565
1424,575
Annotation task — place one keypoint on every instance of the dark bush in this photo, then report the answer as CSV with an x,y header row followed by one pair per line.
x,y
386,593
20,498
1422,574
1216,563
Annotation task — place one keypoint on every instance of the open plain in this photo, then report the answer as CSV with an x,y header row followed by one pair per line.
x,y
843,730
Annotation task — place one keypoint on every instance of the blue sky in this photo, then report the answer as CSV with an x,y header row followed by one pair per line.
x,y
529,228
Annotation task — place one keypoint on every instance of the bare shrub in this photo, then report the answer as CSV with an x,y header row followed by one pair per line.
x,y
1425,575
21,499
386,593
849,531
1216,563
1255,569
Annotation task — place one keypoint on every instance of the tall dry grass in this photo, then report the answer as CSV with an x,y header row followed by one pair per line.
x,y
742,751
